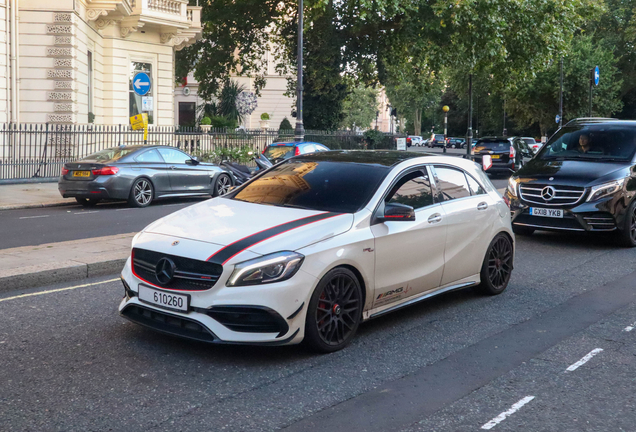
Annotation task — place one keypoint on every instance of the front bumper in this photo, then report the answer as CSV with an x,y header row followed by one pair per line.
x,y
271,314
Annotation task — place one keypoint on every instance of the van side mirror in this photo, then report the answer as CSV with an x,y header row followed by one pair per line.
x,y
397,212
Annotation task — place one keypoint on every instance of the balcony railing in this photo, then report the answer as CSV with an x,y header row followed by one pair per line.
x,y
166,6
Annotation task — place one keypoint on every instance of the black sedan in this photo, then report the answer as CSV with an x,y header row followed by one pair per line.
x,y
140,174
507,154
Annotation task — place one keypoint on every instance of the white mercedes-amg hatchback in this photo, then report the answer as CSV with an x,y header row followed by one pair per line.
x,y
310,248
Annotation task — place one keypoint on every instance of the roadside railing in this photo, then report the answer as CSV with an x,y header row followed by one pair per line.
x,y
31,151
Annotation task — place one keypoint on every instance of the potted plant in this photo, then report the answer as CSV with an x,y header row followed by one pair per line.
x,y
206,124
264,121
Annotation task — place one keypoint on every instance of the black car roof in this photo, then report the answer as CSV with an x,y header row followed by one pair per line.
x,y
386,158
598,120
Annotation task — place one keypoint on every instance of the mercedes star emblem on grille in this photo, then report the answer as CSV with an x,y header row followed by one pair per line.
x,y
164,271
548,193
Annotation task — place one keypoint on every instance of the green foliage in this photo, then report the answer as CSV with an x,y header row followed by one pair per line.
x,y
226,105
219,122
239,154
205,121
374,139
360,107
285,125
91,117
264,116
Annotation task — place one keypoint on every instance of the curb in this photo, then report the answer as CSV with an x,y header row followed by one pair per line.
x,y
39,205
65,271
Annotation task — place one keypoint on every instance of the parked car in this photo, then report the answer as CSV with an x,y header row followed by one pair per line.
x,y
532,143
140,174
582,179
507,154
317,244
416,140
457,142
285,150
437,140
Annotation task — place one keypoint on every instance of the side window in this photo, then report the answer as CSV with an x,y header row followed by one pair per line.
x,y
452,183
321,148
475,187
149,156
173,156
308,148
414,189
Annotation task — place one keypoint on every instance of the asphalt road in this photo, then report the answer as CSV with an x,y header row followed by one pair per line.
x,y
458,362
31,227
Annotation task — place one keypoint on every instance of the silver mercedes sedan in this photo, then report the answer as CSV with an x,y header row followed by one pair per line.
x,y
141,174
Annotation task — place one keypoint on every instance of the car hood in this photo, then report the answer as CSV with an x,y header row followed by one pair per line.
x,y
230,227
571,172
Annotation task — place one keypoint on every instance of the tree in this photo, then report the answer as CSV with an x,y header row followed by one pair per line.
x,y
360,108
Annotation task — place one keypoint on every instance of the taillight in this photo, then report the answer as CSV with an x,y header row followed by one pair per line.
x,y
297,151
64,171
512,152
106,171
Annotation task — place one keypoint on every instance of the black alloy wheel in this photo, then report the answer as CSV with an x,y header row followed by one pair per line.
x,y
87,202
497,266
141,193
222,185
334,312
627,235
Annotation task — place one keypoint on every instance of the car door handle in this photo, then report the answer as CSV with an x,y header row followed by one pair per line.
x,y
482,206
434,218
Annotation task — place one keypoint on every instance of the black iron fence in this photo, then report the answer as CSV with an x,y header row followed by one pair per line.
x,y
40,150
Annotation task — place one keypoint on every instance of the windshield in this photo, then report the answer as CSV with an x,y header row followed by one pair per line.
x,y
315,185
493,145
439,137
592,142
110,155
279,152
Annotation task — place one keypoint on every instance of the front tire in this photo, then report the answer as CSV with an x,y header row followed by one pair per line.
x,y
627,234
142,193
497,266
222,185
334,312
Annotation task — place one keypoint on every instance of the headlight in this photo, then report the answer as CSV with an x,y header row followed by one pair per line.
x,y
270,268
605,189
512,186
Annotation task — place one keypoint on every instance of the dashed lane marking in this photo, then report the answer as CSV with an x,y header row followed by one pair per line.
x,y
87,212
629,327
34,217
57,290
513,409
584,360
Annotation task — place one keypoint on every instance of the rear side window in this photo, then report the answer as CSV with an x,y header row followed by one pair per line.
x,y
475,187
414,190
151,156
279,152
110,155
452,183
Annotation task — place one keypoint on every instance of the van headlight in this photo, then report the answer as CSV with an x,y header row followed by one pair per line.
x,y
512,186
605,189
271,268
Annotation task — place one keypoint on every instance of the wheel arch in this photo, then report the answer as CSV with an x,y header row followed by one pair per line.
x,y
358,275
146,177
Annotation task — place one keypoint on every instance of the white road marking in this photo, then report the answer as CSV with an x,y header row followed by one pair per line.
x,y
584,360
513,409
629,327
34,217
87,212
57,290
125,209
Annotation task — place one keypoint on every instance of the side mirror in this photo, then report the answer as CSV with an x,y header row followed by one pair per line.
x,y
193,161
397,212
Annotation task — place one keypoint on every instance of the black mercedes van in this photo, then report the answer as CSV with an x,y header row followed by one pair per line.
x,y
583,179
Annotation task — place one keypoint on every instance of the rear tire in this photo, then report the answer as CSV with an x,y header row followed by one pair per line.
x,y
87,202
142,193
627,233
497,266
522,231
334,311
222,185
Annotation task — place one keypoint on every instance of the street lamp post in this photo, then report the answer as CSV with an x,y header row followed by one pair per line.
x,y
299,131
445,108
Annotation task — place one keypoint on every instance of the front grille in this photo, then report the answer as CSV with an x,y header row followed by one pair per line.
x,y
563,195
248,319
189,275
168,323
600,221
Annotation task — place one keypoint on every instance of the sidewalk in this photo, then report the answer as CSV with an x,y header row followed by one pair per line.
x,y
31,195
33,266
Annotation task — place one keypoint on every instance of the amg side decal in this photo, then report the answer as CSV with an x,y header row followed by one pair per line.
x,y
233,249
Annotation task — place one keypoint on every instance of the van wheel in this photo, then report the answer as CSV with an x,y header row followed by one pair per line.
x,y
627,233
334,312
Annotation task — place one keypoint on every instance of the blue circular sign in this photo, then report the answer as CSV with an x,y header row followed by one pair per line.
x,y
597,75
141,83
557,118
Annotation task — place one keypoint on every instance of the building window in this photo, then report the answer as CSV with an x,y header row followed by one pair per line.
x,y
187,115
140,104
89,61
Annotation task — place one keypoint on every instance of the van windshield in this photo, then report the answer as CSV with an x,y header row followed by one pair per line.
x,y
604,142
